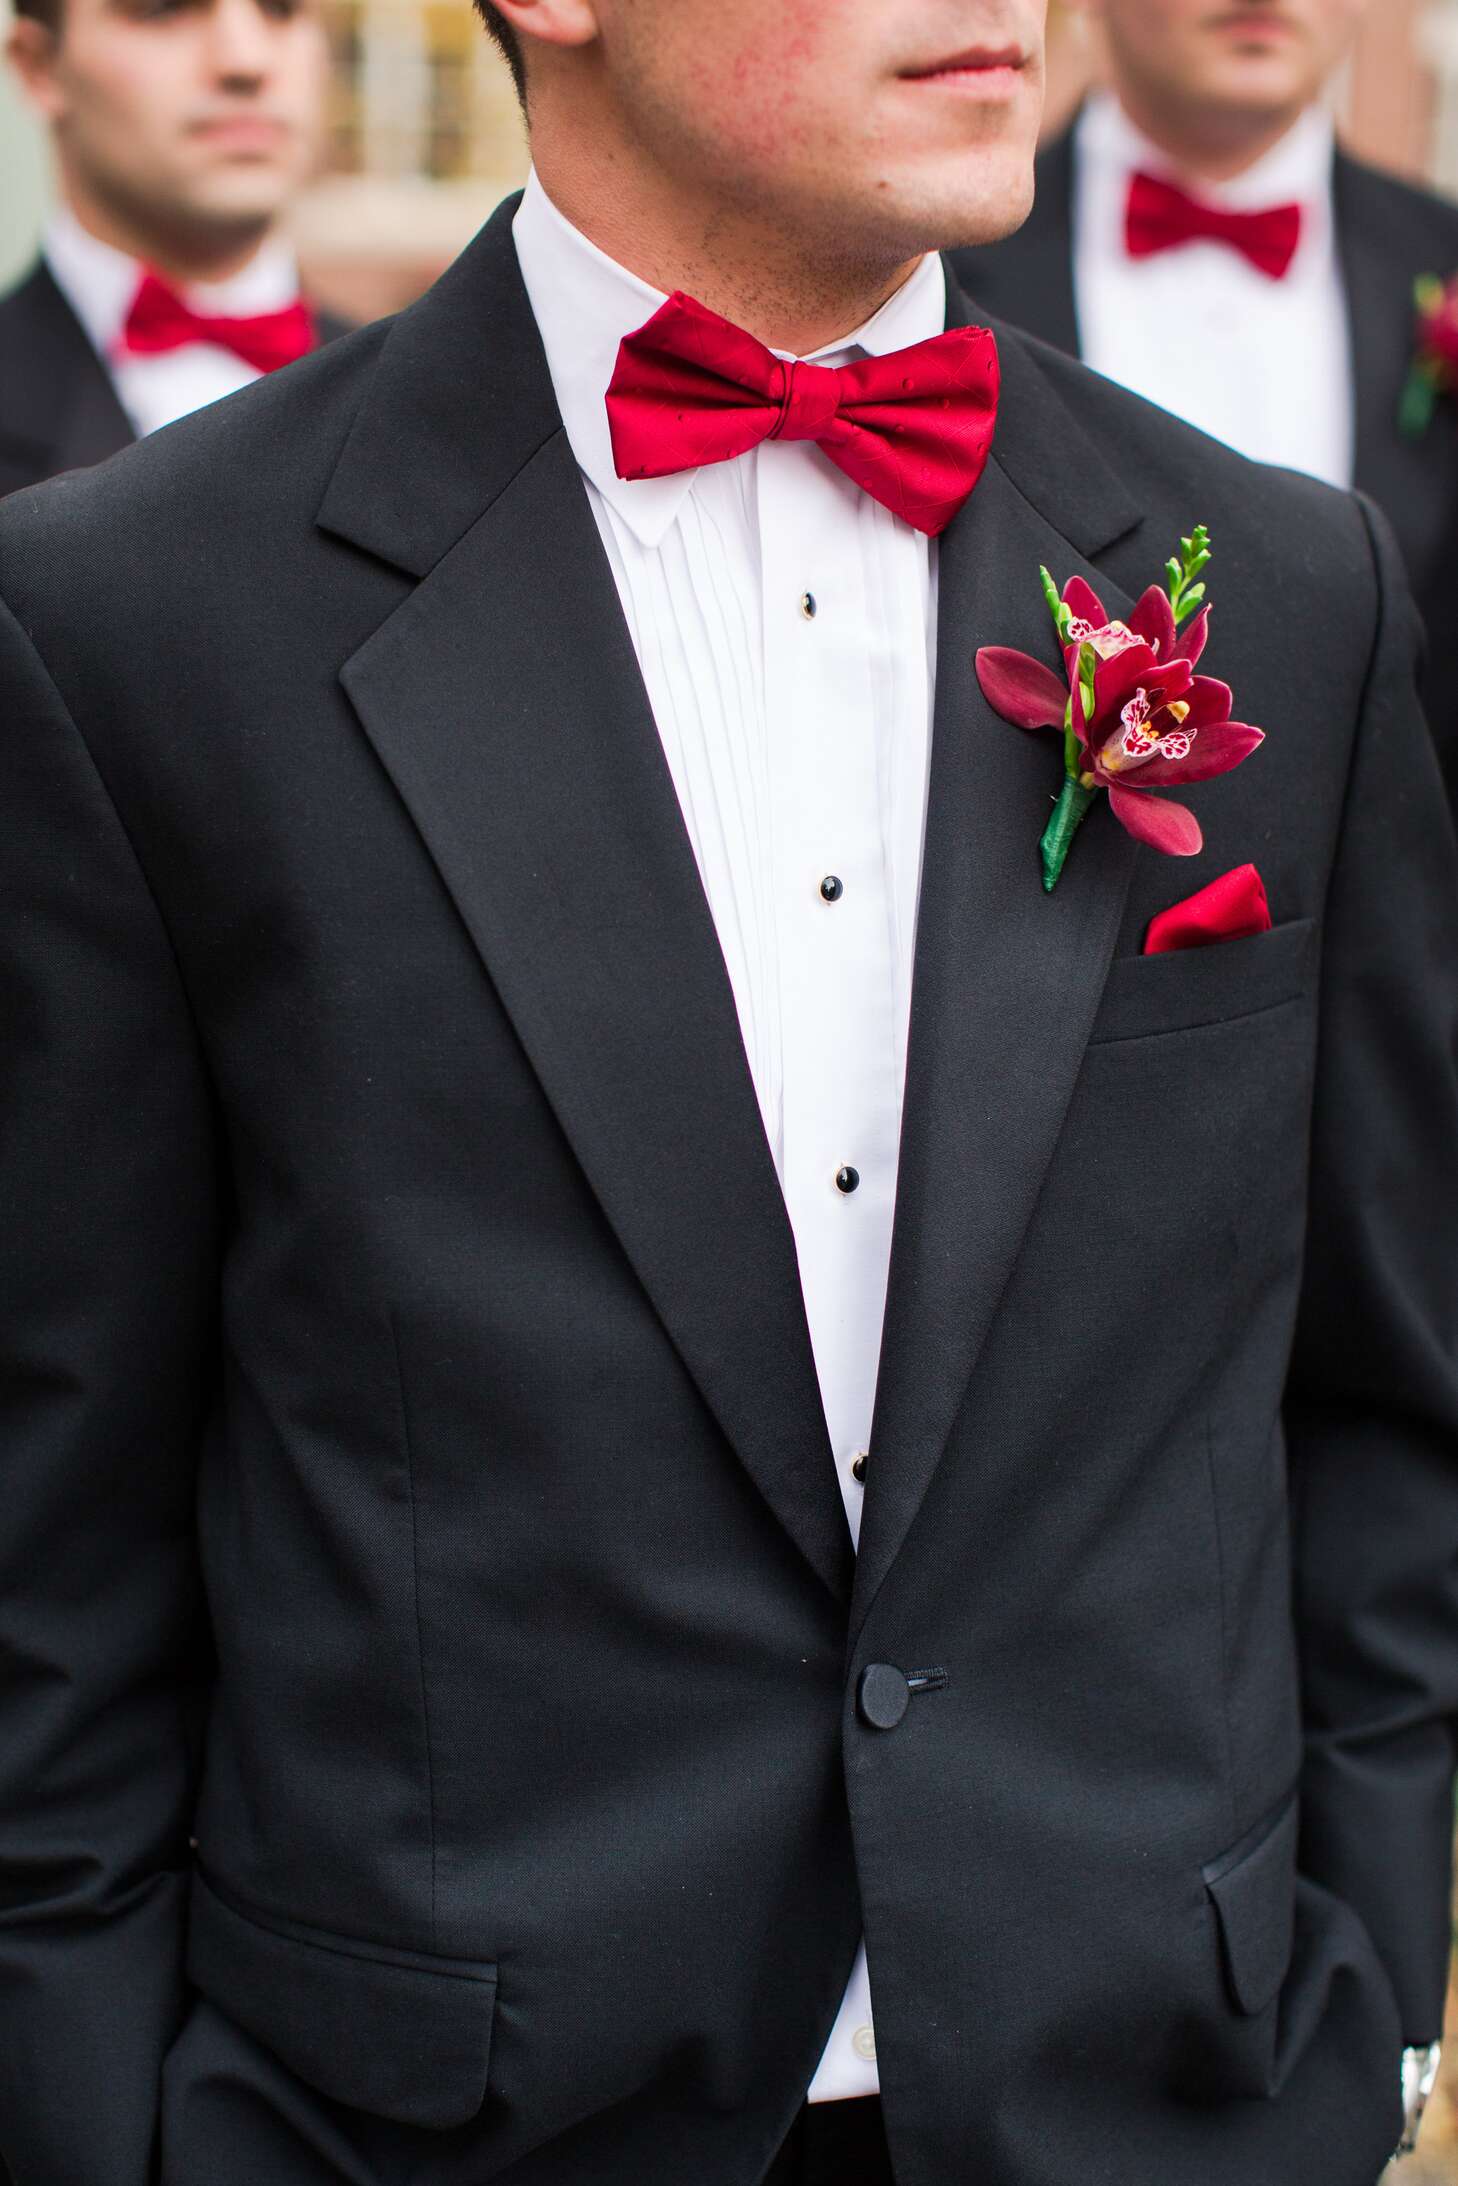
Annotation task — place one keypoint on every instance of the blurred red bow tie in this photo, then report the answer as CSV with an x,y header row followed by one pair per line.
x,y
1159,217
160,320
912,428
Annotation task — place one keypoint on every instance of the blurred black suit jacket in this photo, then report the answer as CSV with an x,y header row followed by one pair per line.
x,y
58,407
1389,234
430,1644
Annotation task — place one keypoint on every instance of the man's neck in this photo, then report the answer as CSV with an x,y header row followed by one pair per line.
x,y
739,265
182,257
1206,145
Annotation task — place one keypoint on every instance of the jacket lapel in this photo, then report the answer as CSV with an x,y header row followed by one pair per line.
x,y
504,699
1007,978
56,396
1382,314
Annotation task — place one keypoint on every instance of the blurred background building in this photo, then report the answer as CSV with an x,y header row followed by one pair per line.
x,y
425,135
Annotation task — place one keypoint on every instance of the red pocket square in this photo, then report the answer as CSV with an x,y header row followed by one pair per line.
x,y
1227,910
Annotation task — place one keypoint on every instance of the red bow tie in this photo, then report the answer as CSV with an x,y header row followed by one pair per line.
x,y
912,428
159,320
1160,217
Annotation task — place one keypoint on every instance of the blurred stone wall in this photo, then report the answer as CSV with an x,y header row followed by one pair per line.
x,y
425,137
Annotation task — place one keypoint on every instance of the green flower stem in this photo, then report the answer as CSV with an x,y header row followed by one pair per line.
x,y
1073,802
1419,400
1182,570
1062,616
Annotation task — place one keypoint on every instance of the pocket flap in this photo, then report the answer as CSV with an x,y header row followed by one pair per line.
x,y
396,2033
1253,1887
1187,988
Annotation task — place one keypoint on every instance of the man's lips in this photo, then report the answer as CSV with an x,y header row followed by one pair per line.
x,y
242,132
977,61
1253,23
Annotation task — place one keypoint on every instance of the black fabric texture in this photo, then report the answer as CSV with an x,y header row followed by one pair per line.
x,y
1389,234
428,1635
58,408
835,2144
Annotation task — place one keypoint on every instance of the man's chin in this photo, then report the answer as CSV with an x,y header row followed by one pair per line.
x,y
971,218
1256,93
238,202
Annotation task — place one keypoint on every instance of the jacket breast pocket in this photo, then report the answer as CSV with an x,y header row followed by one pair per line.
x,y
399,2034
1186,988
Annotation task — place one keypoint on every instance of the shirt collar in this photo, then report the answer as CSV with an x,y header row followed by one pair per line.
x,y
1298,169
99,281
584,303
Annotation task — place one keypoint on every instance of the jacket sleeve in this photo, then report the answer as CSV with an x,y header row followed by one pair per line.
x,y
1372,1410
108,1280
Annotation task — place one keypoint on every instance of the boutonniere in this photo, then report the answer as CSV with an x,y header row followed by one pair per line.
x,y
1135,716
1435,359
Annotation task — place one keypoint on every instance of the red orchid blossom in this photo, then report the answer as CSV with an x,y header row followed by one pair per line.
x,y
1435,362
1136,717
1438,323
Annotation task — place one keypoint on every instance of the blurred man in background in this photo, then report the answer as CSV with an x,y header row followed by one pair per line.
x,y
1199,237
182,129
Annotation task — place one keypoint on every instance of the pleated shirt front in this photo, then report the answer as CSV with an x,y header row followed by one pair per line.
x,y
785,626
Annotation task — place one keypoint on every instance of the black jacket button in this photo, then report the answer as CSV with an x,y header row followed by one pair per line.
x,y
883,1695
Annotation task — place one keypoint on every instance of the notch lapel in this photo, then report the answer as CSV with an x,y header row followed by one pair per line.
x,y
1383,319
94,426
504,699
1007,978
56,396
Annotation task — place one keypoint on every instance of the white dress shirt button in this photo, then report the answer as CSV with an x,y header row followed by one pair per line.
x,y
863,2042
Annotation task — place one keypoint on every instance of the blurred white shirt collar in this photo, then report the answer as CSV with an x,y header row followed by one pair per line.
x,y
1296,170
99,281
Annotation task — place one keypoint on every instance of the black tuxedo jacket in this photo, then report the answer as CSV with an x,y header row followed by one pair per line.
x,y
58,407
433,1739
1388,235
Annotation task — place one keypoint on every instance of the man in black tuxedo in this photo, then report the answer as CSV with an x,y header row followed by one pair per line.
x,y
180,132
452,1115
1303,357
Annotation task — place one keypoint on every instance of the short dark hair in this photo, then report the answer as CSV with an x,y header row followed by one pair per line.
x,y
505,37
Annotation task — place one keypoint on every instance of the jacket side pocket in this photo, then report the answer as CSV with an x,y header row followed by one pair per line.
x,y
1250,1891
1253,1889
399,2034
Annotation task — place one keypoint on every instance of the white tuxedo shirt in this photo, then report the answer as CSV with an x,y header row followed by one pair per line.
x,y
785,625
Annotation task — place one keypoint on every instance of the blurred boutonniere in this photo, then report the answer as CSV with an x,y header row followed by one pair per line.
x,y
1134,715
1435,357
